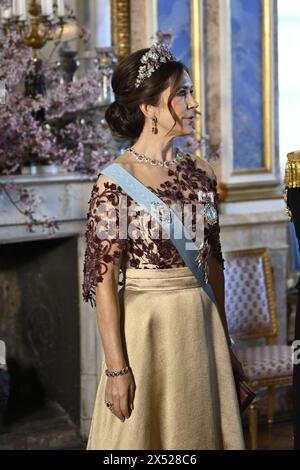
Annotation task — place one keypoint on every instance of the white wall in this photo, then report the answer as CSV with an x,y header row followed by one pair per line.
x,y
289,77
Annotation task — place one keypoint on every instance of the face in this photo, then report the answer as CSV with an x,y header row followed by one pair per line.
x,y
184,105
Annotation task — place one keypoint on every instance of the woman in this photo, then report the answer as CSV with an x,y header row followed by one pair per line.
x,y
168,382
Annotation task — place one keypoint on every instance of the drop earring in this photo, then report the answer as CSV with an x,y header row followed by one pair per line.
x,y
154,125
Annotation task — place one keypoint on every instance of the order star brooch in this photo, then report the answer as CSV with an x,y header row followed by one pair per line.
x,y
208,199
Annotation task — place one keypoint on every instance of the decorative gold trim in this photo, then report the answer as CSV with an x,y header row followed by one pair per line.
x,y
250,171
250,191
256,384
120,26
267,83
272,333
267,93
196,47
292,170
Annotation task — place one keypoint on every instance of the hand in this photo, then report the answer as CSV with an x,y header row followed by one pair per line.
x,y
237,366
120,391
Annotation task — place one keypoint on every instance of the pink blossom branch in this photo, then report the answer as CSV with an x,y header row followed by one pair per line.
x,y
28,200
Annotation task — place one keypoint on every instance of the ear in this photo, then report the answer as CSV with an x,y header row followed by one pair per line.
x,y
148,110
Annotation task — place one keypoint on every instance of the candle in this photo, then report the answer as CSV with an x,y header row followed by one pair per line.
x,y
23,10
47,7
6,13
16,7
60,8
19,9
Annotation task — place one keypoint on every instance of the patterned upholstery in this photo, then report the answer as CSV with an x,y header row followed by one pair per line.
x,y
251,313
266,362
246,298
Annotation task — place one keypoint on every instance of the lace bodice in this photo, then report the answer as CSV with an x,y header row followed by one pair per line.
x,y
119,231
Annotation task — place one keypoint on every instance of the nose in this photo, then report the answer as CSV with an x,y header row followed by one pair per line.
x,y
192,103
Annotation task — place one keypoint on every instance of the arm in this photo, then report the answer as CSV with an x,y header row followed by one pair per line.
x,y
108,318
103,258
215,258
216,280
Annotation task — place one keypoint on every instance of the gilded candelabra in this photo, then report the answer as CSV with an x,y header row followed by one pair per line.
x,y
36,24
47,20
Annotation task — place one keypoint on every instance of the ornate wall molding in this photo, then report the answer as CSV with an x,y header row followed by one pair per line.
x,y
248,169
267,93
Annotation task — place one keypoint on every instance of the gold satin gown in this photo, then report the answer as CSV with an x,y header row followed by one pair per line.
x,y
173,337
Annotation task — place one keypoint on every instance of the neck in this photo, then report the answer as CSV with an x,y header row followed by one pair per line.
x,y
155,146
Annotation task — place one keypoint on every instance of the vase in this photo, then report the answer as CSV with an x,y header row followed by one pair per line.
x,y
36,84
69,65
105,63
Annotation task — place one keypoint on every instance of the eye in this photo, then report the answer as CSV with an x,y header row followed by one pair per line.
x,y
184,92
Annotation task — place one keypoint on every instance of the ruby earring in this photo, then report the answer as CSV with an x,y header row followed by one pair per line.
x,y
154,125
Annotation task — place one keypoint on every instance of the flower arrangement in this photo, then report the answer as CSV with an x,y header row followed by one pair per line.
x,y
27,203
62,132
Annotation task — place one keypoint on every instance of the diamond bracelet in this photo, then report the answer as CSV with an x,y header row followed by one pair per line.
x,y
123,371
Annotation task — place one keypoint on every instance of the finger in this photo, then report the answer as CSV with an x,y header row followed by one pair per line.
x,y
124,405
131,397
108,402
117,410
108,394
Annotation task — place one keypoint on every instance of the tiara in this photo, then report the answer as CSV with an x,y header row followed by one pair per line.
x,y
158,53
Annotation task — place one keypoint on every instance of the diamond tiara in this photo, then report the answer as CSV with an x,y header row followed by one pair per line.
x,y
158,54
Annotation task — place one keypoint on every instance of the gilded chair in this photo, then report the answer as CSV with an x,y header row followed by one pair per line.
x,y
251,314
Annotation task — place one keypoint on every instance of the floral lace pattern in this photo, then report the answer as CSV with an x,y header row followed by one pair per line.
x,y
144,252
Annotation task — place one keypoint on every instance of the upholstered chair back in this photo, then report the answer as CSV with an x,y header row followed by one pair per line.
x,y
249,295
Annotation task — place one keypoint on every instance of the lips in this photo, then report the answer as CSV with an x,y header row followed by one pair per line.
x,y
190,120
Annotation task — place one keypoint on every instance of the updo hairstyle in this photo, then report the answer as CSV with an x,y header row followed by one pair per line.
x,y
124,115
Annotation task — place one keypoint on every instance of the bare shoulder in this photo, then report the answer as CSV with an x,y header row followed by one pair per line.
x,y
105,182
203,165
124,160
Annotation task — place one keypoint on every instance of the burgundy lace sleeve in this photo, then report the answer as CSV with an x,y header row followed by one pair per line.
x,y
214,230
104,245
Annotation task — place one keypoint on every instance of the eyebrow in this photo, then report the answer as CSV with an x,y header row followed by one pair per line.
x,y
186,87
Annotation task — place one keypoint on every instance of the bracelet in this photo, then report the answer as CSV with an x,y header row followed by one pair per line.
x,y
123,371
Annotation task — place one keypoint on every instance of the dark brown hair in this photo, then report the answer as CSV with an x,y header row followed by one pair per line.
x,y
124,116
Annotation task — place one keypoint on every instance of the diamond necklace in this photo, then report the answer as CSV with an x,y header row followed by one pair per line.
x,y
140,157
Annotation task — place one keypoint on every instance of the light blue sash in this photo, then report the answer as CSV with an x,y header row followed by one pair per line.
x,y
144,197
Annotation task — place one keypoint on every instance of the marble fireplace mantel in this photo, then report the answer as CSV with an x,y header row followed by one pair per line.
x,y
65,198
62,196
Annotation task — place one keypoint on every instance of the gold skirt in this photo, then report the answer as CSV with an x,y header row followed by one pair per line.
x,y
176,347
